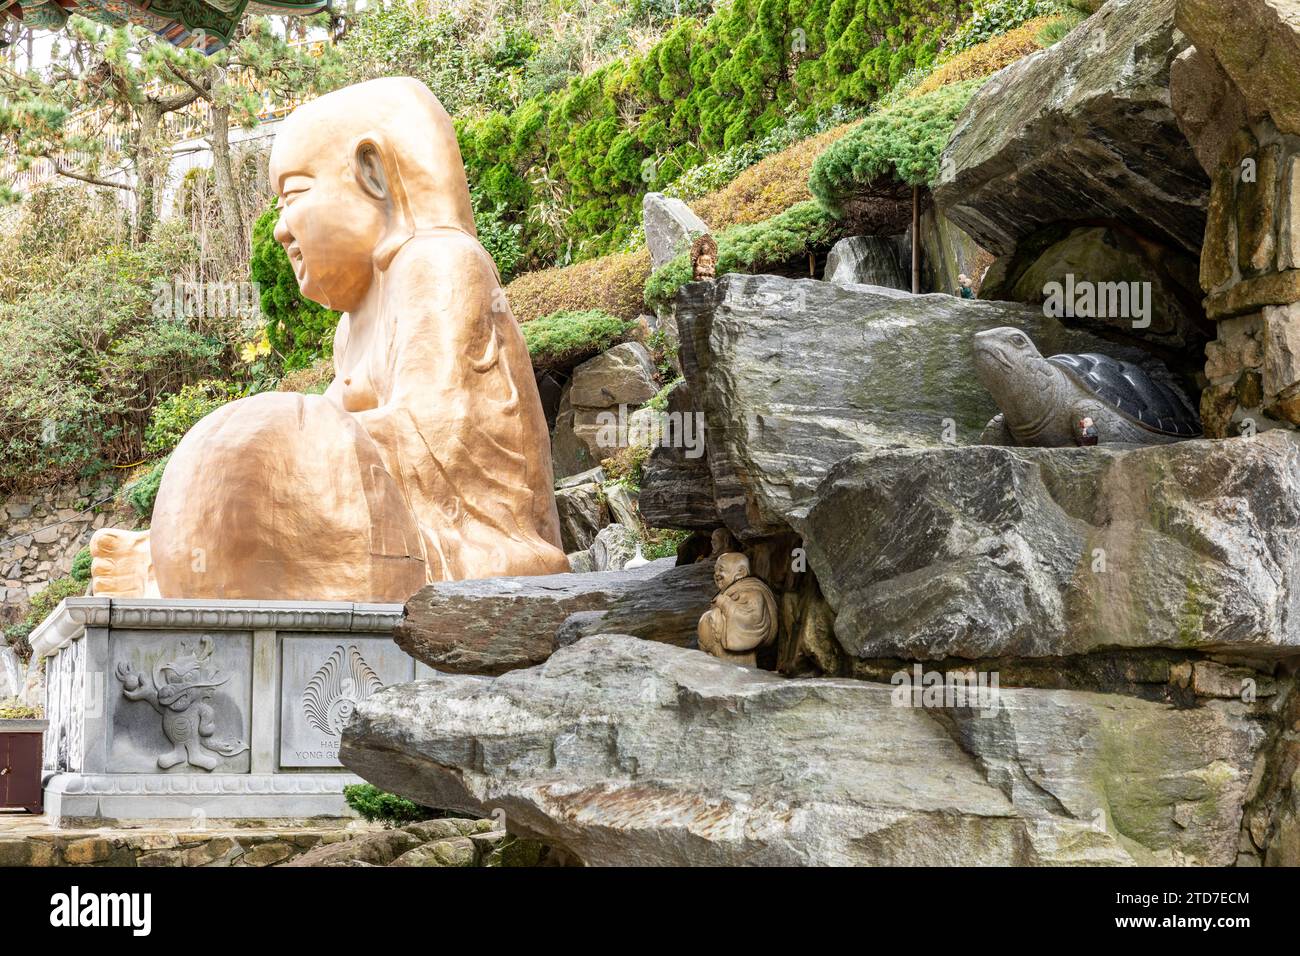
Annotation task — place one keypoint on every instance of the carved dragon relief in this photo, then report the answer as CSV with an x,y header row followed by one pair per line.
x,y
180,692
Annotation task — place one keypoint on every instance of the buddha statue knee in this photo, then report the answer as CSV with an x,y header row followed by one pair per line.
x,y
300,491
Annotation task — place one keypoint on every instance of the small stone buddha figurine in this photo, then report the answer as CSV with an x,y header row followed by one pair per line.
x,y
427,458
742,617
704,258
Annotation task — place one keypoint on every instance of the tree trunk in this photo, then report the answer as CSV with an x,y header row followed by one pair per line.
x,y
146,170
232,213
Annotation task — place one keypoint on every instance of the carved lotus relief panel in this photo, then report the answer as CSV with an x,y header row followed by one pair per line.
x,y
323,679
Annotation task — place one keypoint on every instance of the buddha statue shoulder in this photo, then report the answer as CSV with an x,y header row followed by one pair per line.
x,y
742,616
427,458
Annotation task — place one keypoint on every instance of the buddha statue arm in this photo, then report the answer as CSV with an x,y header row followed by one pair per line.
x,y
459,421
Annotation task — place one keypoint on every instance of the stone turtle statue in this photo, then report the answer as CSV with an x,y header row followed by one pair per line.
x,y
1046,402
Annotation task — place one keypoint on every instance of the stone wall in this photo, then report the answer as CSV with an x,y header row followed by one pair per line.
x,y
436,843
1238,102
44,529
1250,270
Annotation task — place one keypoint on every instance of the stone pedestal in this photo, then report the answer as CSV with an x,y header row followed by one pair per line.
x,y
204,709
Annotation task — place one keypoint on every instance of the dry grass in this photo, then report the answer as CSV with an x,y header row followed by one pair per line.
x,y
312,380
770,186
987,58
612,283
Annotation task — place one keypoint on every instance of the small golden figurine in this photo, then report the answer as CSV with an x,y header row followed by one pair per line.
x,y
704,258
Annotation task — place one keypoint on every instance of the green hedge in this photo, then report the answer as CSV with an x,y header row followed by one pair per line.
x,y
903,142
141,493
300,330
375,805
180,411
801,229
564,338
572,166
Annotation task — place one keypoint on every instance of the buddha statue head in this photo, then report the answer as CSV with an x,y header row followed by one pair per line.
x,y
730,568
359,172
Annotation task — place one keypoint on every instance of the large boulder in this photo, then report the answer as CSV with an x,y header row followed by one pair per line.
x,y
592,421
676,486
866,260
670,227
1080,132
625,752
582,510
668,609
624,375
988,552
494,625
794,375
1257,44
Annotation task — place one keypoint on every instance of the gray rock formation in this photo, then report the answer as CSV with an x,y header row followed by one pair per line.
x,y
866,260
623,375
626,752
591,423
676,486
1082,131
670,227
985,552
582,513
614,546
667,609
493,625
793,375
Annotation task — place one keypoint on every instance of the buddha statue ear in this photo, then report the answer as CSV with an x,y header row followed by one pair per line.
x,y
376,172
368,166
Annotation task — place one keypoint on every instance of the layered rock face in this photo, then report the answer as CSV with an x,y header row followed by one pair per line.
x,y
676,485
498,624
1082,131
1247,57
625,752
591,424
990,552
794,375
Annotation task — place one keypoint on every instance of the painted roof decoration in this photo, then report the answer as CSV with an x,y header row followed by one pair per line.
x,y
205,25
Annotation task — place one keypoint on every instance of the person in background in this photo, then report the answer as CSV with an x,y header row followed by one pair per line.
x,y
965,287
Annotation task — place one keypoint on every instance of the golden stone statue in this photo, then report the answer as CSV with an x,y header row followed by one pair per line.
x,y
704,258
742,617
427,458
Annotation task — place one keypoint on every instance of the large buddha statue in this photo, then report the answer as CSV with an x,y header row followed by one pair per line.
x,y
427,458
